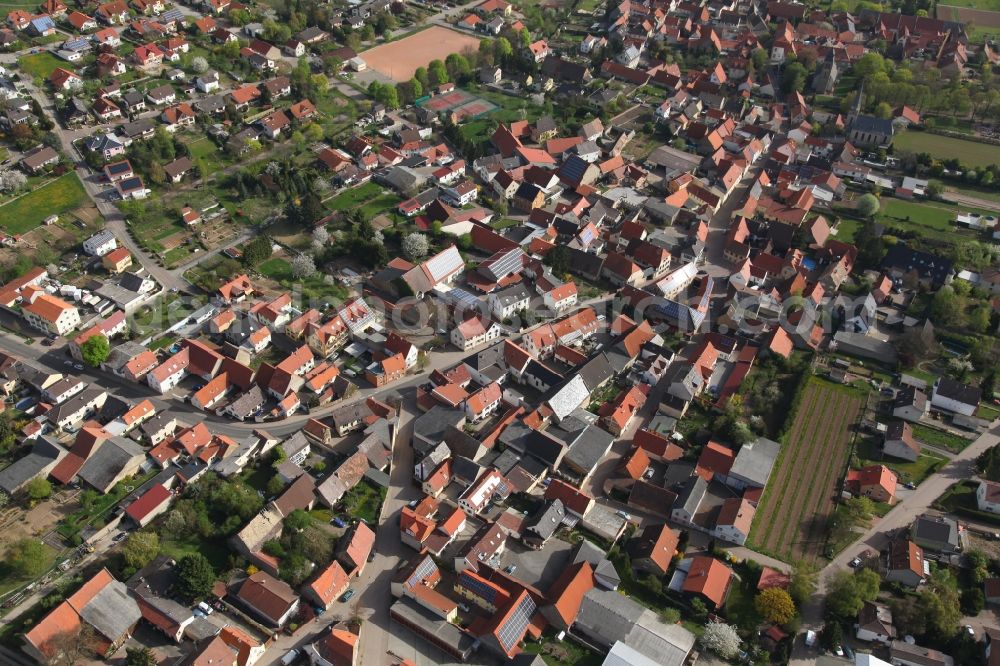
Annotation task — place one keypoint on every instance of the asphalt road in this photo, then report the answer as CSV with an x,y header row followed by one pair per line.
x,y
961,467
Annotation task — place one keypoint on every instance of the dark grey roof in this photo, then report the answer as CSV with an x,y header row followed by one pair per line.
x,y
108,461
462,443
596,371
692,494
935,529
872,125
543,373
931,266
546,519
43,454
433,425
545,448
964,393
587,449
112,612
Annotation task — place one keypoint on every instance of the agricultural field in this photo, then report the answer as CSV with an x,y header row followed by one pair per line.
x,y
26,212
969,153
792,518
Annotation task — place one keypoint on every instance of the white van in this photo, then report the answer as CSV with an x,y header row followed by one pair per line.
x,y
810,638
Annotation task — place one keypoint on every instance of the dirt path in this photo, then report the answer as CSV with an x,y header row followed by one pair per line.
x,y
975,202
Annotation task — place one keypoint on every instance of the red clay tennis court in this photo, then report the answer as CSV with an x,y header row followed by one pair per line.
x,y
462,105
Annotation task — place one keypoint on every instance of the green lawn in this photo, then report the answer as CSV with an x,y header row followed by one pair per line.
x,y
9,582
914,472
40,65
355,196
928,219
969,153
961,499
566,652
215,550
847,229
276,268
988,5
382,204
28,211
364,501
940,438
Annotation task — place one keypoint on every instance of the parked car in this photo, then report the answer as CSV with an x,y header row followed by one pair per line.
x,y
347,595
855,562
337,522
810,638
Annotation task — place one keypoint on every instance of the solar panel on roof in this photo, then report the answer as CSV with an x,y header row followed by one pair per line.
x,y
507,263
513,630
445,263
423,570
479,587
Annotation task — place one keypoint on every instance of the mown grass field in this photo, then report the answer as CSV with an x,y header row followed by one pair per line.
x,y
969,153
62,195
41,65
930,219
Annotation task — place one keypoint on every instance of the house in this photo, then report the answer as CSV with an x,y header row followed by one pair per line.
x,y
905,563
102,605
338,647
117,261
902,653
653,549
876,482
389,369
875,623
709,579
899,441
937,533
274,123
988,496
176,170
270,600
328,585
132,188
954,396
113,13
50,314
475,332
910,404
38,160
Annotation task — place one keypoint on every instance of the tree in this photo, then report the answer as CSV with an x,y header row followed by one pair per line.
x,y
934,189
831,636
947,307
437,72
558,259
257,250
195,577
867,206
979,318
141,548
27,558
908,616
139,656
303,267
12,181
415,245
298,520
721,639
803,581
95,350
776,605
39,488
848,591
199,65
416,88
502,50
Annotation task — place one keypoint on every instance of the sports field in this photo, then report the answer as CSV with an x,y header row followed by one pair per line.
x,y
970,153
460,104
399,60
791,521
